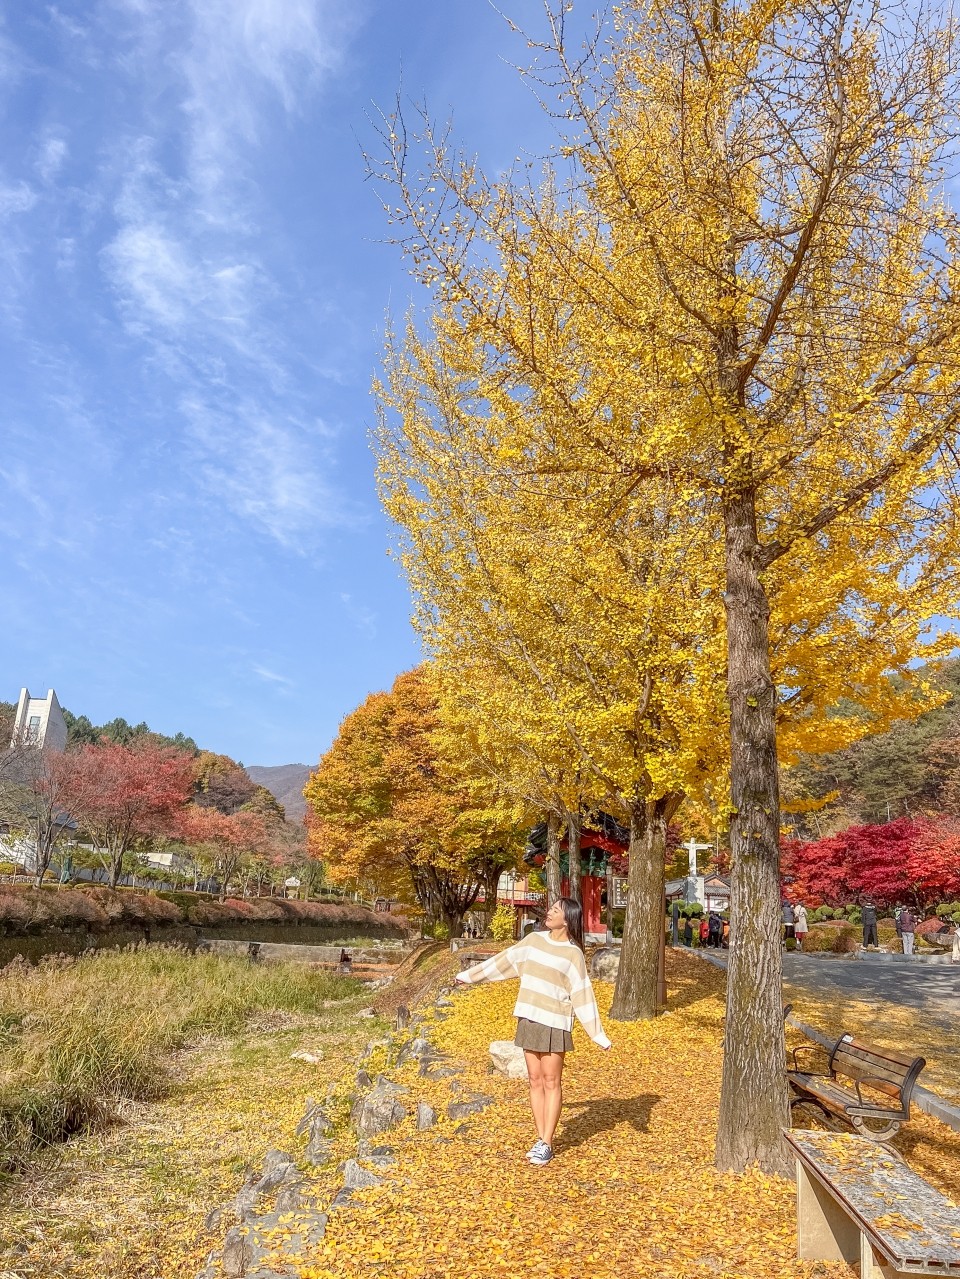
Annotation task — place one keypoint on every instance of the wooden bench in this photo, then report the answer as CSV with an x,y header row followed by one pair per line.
x,y
857,1201
882,1083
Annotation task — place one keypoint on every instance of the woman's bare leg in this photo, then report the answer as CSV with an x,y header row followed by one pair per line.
x,y
535,1073
551,1074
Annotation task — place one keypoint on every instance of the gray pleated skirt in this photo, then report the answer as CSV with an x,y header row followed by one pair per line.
x,y
542,1039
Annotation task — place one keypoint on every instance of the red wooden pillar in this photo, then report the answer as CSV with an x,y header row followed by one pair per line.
x,y
591,888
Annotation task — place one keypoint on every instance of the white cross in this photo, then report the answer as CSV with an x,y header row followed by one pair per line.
x,y
693,848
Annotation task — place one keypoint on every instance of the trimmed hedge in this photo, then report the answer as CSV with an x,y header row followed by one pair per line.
x,y
25,910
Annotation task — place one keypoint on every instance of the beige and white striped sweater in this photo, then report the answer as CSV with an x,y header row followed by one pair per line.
x,y
554,986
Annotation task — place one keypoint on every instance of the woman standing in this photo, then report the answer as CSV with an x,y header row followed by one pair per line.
x,y
554,988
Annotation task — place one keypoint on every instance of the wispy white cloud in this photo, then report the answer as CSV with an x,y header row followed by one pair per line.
x,y
53,152
267,470
186,260
271,677
362,617
16,197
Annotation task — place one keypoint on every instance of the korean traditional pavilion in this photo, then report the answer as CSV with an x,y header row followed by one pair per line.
x,y
600,844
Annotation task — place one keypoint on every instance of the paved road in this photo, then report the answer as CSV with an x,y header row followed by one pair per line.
x,y
932,988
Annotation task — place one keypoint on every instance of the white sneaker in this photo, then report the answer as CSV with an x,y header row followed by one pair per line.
x,y
538,1147
543,1155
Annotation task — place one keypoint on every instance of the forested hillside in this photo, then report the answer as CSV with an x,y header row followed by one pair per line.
x,y
911,770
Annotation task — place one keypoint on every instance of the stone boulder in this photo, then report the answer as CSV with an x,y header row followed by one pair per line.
x,y
357,1178
278,1170
426,1117
605,964
317,1126
508,1059
416,1050
379,1110
471,1105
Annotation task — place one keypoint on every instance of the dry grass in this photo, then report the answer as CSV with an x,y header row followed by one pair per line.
x,y
129,1202
80,1036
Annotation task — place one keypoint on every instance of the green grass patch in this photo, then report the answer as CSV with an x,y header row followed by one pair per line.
x,y
81,1035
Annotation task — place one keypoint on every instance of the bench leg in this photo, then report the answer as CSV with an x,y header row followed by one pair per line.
x,y
875,1266
824,1231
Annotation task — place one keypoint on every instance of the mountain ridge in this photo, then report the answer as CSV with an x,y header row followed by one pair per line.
x,y
285,782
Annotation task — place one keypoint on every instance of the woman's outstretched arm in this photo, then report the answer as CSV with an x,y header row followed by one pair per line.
x,y
499,967
586,1010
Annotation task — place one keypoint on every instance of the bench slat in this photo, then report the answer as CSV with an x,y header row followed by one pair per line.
x,y
909,1221
840,1100
889,1055
859,1063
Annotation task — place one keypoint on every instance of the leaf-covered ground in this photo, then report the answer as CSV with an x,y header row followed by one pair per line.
x,y
632,1190
931,1035
130,1202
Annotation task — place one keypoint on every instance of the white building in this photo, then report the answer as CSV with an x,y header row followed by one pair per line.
x,y
39,720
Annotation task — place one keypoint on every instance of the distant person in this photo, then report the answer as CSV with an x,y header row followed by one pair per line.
x,y
687,931
897,912
955,955
789,922
868,918
908,926
714,930
800,925
725,939
704,930
554,988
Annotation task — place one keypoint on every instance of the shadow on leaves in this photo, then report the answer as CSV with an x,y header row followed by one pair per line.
x,y
603,1114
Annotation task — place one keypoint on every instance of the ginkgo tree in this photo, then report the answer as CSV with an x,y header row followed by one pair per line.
x,y
576,698
746,292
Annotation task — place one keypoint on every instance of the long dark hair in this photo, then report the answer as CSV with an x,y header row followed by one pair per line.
x,y
573,918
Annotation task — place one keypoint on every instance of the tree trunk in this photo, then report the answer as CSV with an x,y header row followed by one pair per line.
x,y
573,847
609,899
635,995
753,1100
552,867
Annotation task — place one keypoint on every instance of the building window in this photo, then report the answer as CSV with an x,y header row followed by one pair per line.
x,y
33,728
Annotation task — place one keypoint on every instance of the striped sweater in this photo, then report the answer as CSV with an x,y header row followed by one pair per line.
x,y
554,986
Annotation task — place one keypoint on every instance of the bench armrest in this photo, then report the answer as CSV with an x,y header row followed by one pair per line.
x,y
807,1048
860,1098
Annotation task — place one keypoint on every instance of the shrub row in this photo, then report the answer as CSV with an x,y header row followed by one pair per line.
x,y
25,910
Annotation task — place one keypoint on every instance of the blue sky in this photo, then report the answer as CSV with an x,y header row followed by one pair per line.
x,y
192,291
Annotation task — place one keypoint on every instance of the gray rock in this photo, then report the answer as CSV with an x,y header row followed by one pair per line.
x,y
416,1050
357,1178
508,1059
319,1151
389,1086
278,1168
426,1117
605,964
471,1106
213,1220
443,1003
433,1069
238,1252
377,1112
292,1199
364,1080
379,1156
342,1199
315,1120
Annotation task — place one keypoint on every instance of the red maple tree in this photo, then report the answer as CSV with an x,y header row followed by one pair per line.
x,y
878,863
122,794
